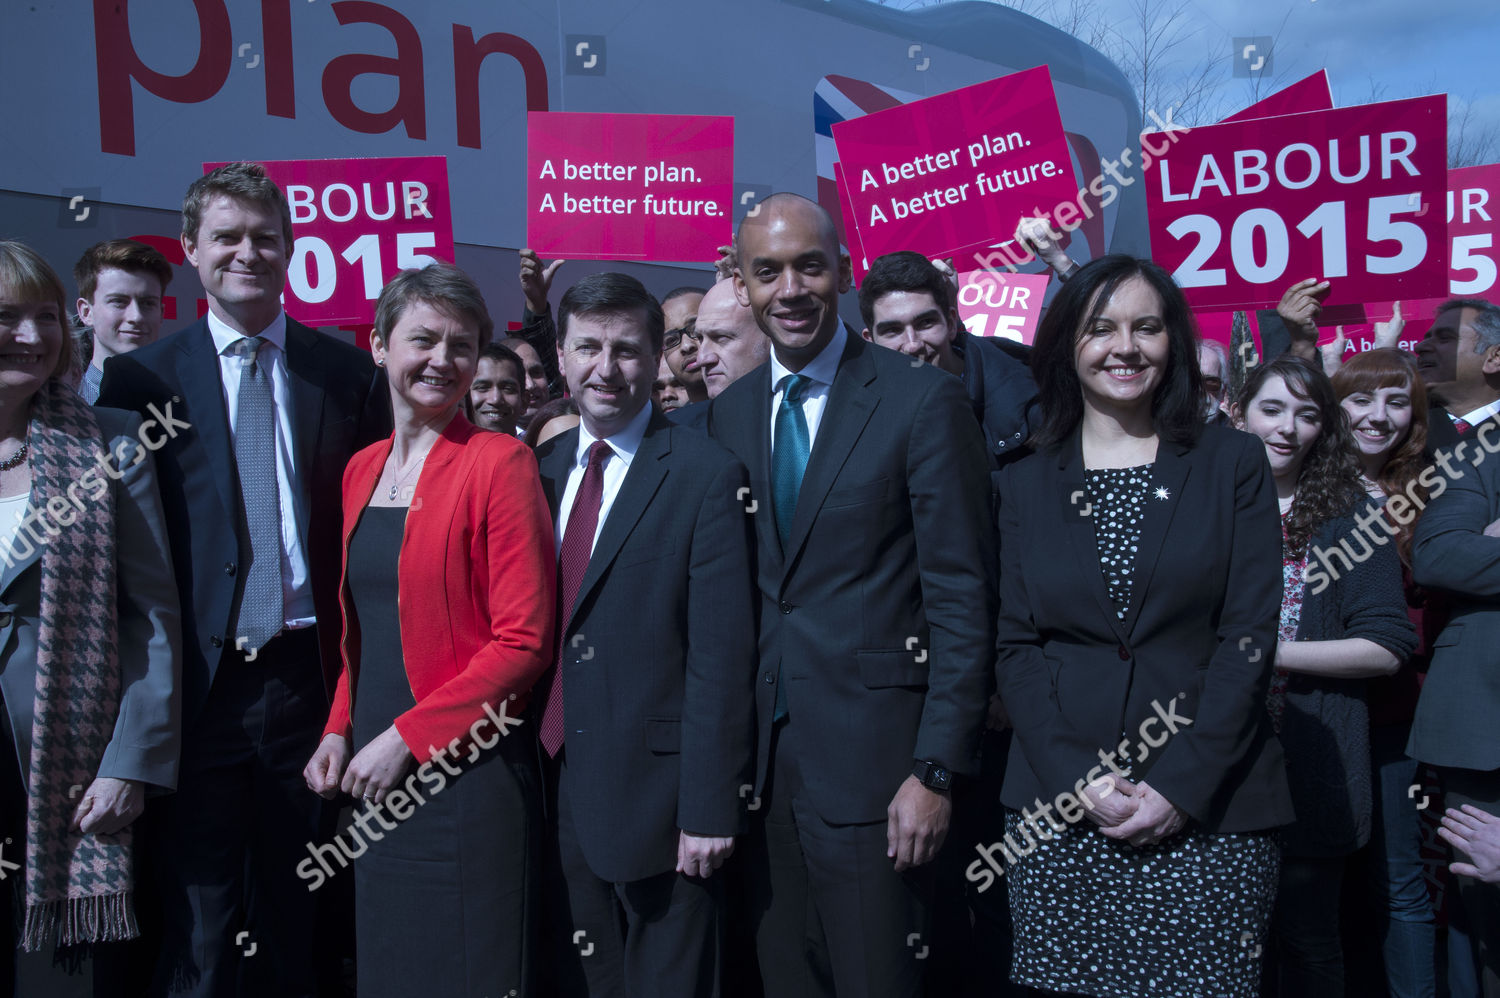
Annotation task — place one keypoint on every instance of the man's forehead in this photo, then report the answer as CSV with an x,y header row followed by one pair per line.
x,y
790,227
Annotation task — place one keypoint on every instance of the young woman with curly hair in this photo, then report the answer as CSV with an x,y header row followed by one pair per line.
x,y
1342,620
1386,402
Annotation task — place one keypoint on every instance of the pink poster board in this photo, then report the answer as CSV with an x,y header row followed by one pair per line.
x,y
999,303
1239,211
652,187
958,170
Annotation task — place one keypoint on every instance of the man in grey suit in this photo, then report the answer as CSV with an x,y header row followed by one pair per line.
x,y
1457,549
648,719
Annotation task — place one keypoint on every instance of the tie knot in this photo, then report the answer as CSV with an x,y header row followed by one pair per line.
x,y
792,387
599,451
246,348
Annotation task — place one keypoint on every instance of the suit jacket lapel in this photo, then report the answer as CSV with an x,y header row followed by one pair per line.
x,y
845,414
305,378
1168,476
759,461
202,389
1079,528
647,471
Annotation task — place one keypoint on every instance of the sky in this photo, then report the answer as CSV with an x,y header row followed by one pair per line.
x,y
1372,49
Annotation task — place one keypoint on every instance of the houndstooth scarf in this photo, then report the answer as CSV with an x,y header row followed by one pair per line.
x,y
78,887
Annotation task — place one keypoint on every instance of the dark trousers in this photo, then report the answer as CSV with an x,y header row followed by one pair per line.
x,y
652,938
1309,955
834,917
237,919
1480,901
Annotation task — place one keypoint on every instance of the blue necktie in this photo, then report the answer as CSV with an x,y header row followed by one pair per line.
x,y
260,611
789,459
788,462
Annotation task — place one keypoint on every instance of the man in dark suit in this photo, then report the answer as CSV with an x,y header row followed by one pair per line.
x,y
268,413
1457,549
1459,360
650,717
876,561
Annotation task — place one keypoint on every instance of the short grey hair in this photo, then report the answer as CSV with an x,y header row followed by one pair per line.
x,y
1486,321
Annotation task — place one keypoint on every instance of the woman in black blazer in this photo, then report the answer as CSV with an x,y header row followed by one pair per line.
x,y
1140,582
1343,620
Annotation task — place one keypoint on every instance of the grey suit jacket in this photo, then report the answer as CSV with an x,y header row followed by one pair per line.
x,y
1455,720
148,731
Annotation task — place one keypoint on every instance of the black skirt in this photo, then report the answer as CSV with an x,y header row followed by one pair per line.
x,y
443,900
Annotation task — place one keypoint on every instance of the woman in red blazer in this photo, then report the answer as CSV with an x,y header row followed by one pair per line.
x,y
448,598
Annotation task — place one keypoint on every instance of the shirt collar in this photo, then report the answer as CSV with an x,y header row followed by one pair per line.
x,y
821,368
1482,413
225,338
624,444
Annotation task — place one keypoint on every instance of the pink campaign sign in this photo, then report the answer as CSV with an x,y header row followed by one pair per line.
x,y
655,187
357,223
1311,94
956,171
1239,211
999,303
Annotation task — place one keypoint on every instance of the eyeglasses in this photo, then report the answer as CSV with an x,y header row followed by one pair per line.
x,y
673,337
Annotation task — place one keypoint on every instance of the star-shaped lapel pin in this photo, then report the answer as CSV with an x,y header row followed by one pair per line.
x,y
1163,493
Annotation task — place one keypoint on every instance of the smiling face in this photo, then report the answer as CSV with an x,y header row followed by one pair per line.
x,y
911,322
1380,419
1448,361
609,365
495,395
1122,356
430,361
241,255
1287,424
125,312
791,274
31,343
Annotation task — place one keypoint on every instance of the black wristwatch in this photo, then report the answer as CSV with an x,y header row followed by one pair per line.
x,y
933,776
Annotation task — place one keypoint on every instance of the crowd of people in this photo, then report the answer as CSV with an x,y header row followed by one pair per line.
x,y
707,645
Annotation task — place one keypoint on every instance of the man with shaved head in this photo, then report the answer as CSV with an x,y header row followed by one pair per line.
x,y
730,344
876,561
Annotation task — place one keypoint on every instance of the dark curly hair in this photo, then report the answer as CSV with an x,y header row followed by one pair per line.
x,y
1388,367
1176,404
1328,483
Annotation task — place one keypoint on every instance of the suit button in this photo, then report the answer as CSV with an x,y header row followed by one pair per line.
x,y
5,619
770,678
1124,654
786,607
216,641
229,568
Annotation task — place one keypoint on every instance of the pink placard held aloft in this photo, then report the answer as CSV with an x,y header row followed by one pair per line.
x,y
999,303
1240,211
357,223
959,170
1310,94
1474,232
657,187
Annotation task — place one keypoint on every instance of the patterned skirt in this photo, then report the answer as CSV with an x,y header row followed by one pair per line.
x,y
1187,917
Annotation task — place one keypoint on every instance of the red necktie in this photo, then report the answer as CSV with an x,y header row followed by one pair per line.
x,y
1461,426
572,563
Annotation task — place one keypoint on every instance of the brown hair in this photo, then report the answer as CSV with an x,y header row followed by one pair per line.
x,y
241,181
441,285
1388,367
120,254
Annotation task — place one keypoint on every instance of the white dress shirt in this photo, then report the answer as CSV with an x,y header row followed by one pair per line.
x,y
624,445
820,371
1481,414
296,587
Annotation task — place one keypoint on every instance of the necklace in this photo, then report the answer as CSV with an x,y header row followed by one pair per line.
x,y
16,459
398,480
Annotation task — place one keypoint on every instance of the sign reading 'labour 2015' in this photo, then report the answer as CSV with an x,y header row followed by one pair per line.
x,y
357,223
1238,211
